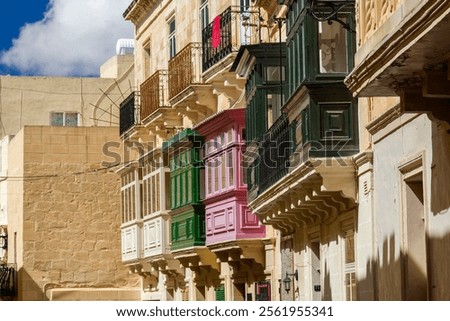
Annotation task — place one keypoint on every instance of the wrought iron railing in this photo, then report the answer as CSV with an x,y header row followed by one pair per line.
x,y
238,26
274,152
129,112
185,69
8,280
154,93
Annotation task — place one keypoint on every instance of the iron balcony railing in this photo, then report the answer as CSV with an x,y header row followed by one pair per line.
x,y
274,152
238,26
154,93
185,69
129,112
8,280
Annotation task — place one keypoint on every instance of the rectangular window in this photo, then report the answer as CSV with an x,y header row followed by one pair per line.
x,y
223,172
67,119
209,174
172,39
190,184
272,74
230,136
230,168
273,108
350,270
147,59
332,48
128,197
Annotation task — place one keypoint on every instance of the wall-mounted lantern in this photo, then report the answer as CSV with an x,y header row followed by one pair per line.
x,y
287,280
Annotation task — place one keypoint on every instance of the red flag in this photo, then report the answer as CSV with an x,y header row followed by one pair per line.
x,y
216,39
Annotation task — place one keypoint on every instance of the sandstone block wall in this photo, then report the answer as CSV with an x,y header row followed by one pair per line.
x,y
71,225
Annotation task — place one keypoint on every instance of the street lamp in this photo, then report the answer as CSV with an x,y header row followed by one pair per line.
x,y
287,280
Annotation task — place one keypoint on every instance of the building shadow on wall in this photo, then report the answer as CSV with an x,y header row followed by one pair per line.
x,y
27,288
395,276
440,169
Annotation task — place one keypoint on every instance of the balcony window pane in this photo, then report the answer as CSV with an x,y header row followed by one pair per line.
x,y
223,171
209,174
172,192
157,192
189,186
230,136
273,108
216,175
272,74
230,168
332,48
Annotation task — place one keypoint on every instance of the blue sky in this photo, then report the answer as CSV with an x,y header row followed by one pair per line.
x,y
60,37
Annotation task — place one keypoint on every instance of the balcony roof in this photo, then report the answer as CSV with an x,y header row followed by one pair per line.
x,y
400,59
217,122
266,53
186,135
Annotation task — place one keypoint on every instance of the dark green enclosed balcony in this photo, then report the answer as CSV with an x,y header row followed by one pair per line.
x,y
186,189
188,228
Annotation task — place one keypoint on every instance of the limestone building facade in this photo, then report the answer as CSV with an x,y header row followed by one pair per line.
x,y
401,79
346,149
59,213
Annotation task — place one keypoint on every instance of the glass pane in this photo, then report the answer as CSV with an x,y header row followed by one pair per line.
x,y
230,136
350,249
272,74
273,108
209,173
332,47
223,171
152,190
243,170
71,119
172,26
216,175
144,198
350,286
56,119
189,186
157,193
204,13
133,204
172,192
230,168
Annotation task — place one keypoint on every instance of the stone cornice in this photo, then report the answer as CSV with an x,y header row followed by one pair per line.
x,y
380,122
363,158
137,9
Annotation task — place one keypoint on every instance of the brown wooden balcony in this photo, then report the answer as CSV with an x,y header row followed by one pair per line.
x,y
185,69
154,93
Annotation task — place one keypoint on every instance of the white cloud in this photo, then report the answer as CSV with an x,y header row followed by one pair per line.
x,y
74,38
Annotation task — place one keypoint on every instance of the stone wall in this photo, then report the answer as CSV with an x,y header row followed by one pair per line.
x,y
71,222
